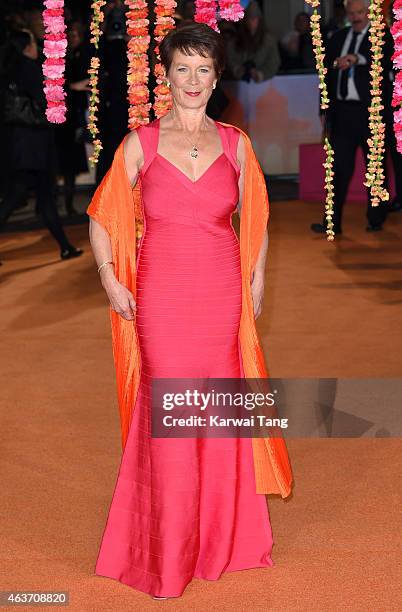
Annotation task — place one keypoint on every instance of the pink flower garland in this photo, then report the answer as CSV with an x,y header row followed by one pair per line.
x,y
396,31
93,72
54,65
205,11
231,10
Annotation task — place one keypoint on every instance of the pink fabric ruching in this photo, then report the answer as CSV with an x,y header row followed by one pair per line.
x,y
185,508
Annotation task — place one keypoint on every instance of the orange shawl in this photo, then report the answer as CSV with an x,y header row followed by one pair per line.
x,y
117,206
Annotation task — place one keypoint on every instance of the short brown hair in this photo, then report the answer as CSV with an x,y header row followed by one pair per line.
x,y
194,38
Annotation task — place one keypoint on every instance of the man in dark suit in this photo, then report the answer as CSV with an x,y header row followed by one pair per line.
x,y
348,59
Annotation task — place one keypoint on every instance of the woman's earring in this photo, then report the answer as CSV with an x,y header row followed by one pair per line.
x,y
213,86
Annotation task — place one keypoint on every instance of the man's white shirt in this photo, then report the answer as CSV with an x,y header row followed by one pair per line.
x,y
352,91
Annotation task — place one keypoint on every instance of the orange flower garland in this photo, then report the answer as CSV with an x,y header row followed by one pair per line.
x,y
138,63
96,32
164,10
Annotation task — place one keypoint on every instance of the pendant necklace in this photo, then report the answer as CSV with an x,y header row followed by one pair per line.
x,y
194,150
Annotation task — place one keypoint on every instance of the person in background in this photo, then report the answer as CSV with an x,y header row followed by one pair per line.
x,y
71,135
348,61
31,150
10,22
253,55
114,23
188,10
34,23
337,22
112,86
296,47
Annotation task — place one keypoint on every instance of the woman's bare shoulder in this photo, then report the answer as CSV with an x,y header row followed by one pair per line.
x,y
133,155
241,150
241,143
132,146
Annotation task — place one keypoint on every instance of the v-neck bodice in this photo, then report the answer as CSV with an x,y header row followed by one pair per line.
x,y
211,165
184,174
167,191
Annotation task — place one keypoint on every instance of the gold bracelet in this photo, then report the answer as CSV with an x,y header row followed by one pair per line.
x,y
104,264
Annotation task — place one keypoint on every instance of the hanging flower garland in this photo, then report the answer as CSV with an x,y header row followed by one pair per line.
x,y
96,32
164,11
55,63
396,31
138,63
375,174
205,12
375,168
230,10
319,52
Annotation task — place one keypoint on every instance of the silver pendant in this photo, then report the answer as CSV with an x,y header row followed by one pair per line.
x,y
194,152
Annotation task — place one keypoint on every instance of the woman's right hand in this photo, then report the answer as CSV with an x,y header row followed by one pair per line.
x,y
120,298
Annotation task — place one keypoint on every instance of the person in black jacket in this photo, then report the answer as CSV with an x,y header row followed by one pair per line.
x,y
31,151
348,60
70,135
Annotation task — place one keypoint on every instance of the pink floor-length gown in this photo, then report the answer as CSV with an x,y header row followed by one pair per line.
x,y
185,508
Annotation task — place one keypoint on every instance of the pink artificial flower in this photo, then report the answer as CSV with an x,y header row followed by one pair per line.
x,y
54,4
53,12
56,114
54,25
398,13
57,36
55,61
53,71
231,10
59,81
397,59
398,88
398,116
55,48
205,12
54,93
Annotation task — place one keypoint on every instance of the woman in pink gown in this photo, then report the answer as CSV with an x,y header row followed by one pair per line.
x,y
185,508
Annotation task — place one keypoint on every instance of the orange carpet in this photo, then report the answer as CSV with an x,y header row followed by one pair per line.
x,y
331,310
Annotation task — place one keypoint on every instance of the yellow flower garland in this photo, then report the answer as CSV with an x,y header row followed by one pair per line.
x,y
96,32
375,172
319,52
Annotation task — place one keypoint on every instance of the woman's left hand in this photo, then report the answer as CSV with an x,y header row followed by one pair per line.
x,y
257,291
